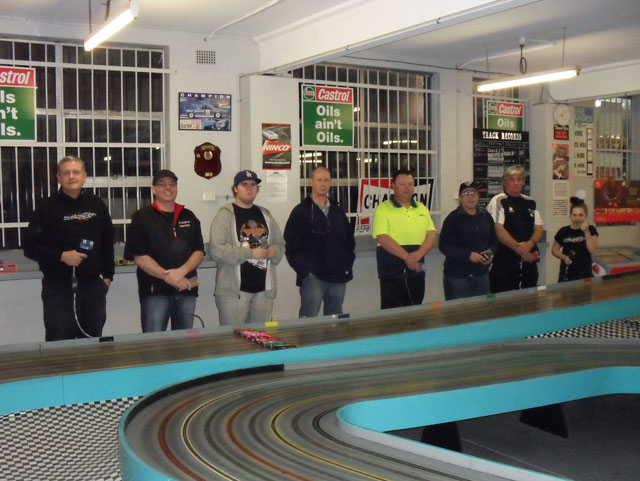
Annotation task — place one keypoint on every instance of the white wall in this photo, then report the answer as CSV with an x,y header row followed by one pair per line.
x,y
256,100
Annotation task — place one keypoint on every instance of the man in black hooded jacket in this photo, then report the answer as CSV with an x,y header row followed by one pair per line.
x,y
321,249
71,237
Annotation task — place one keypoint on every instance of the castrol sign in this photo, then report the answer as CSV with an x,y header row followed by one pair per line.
x,y
17,103
327,116
504,115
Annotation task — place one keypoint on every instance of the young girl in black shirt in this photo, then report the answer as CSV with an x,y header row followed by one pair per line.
x,y
574,244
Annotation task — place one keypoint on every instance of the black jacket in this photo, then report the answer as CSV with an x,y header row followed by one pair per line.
x,y
59,224
463,234
322,245
168,240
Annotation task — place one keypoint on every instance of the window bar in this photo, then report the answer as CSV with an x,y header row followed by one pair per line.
x,y
2,229
17,166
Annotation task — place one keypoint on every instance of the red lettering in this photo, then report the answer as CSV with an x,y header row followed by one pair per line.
x,y
330,94
510,109
273,147
14,76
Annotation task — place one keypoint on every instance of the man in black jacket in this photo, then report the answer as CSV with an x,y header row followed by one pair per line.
x,y
468,240
165,242
71,237
321,249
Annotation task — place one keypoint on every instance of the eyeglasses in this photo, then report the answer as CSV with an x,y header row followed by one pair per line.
x,y
470,192
166,184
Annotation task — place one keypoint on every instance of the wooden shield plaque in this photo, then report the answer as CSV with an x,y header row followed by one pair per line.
x,y
207,163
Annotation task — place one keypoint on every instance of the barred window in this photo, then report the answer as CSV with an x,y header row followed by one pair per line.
x,y
480,117
393,128
106,107
616,156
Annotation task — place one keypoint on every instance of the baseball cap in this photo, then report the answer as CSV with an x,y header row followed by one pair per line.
x,y
245,175
467,186
163,173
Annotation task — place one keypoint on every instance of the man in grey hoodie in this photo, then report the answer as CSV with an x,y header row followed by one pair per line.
x,y
247,244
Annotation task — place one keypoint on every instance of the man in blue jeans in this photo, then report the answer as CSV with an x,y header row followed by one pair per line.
x,y
165,242
320,248
468,240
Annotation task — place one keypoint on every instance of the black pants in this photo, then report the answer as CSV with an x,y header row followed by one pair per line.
x,y
60,314
401,291
511,274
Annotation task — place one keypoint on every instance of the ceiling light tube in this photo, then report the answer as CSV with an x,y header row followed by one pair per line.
x,y
111,27
529,79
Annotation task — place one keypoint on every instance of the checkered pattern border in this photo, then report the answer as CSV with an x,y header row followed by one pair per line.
x,y
620,328
67,443
80,442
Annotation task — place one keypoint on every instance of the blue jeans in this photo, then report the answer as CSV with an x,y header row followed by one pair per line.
x,y
244,308
314,292
459,287
156,310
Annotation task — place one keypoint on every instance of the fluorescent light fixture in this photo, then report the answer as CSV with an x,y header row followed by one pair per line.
x,y
111,27
529,79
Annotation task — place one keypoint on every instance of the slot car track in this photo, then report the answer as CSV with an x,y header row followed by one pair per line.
x,y
83,356
281,424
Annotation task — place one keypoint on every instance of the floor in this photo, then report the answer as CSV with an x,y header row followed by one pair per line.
x,y
603,442
79,443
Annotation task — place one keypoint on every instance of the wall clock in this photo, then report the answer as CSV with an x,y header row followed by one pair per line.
x,y
561,114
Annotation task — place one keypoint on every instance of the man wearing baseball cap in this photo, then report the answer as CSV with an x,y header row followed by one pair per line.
x,y
247,244
165,241
468,240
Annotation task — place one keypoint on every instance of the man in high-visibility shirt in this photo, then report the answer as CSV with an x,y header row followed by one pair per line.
x,y
405,233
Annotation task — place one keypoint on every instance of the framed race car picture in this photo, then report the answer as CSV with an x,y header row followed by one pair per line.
x,y
204,111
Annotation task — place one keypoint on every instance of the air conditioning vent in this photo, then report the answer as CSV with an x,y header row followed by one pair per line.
x,y
206,56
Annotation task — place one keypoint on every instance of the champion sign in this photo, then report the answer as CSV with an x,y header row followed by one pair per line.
x,y
373,192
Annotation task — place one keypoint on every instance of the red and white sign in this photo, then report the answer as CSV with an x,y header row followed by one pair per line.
x,y
506,108
334,94
17,77
375,191
272,147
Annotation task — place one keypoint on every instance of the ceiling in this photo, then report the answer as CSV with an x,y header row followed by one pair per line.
x,y
598,32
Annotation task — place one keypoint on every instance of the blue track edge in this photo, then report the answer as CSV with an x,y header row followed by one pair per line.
x,y
369,419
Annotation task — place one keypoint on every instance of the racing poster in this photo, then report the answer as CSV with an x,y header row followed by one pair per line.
x,y
616,201
276,146
17,103
560,156
375,191
204,111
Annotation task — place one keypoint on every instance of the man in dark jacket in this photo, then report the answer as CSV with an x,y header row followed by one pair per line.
x,y
320,248
71,237
165,242
468,240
